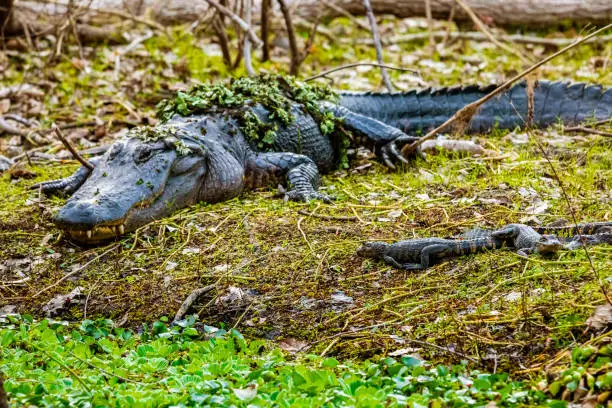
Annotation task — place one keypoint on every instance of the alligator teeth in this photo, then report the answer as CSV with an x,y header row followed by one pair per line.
x,y
89,233
121,229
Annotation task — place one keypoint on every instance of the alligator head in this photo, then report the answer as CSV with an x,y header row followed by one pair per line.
x,y
140,179
548,244
372,249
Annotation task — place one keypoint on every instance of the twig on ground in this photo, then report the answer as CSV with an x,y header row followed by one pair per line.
x,y
72,150
465,114
377,45
235,18
295,57
193,296
10,129
327,217
248,64
601,122
585,129
478,36
480,25
361,64
446,349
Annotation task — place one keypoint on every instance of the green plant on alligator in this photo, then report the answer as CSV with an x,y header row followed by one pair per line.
x,y
275,93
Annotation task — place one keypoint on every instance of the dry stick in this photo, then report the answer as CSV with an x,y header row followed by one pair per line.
x,y
247,43
361,64
376,37
346,14
327,217
219,27
589,130
574,219
295,56
466,113
68,275
72,150
490,36
265,6
432,45
193,296
569,129
240,22
478,36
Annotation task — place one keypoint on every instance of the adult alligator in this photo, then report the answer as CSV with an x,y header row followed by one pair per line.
x,y
211,150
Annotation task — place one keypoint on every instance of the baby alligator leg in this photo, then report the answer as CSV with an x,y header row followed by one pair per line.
x,y
299,172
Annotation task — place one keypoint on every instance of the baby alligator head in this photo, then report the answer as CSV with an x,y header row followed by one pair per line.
x,y
135,182
548,244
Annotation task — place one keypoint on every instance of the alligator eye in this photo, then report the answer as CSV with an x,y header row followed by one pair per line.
x,y
114,151
144,154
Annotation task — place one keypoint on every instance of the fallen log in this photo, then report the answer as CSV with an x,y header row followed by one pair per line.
x,y
494,12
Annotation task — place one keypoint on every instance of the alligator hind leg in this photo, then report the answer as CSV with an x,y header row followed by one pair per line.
x,y
387,140
68,185
299,172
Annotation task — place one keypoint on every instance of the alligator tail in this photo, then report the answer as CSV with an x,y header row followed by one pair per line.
x,y
416,112
589,228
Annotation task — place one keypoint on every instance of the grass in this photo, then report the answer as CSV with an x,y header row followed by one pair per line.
x,y
298,275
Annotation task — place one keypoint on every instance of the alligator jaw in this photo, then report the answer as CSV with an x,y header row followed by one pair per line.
x,y
96,234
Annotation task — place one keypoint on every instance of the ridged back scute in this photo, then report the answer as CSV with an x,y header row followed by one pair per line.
x,y
419,111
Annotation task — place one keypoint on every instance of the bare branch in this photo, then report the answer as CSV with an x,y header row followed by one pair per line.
x,y
490,36
248,11
220,30
376,36
361,64
235,18
72,150
265,35
295,56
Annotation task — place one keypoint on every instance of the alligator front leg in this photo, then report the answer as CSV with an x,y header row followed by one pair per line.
x,y
297,171
68,185
387,140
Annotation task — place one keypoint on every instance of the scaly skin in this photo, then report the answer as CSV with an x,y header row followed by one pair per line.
x,y
527,240
577,241
587,228
138,181
420,253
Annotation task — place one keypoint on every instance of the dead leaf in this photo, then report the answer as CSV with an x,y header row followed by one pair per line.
x,y
292,345
601,317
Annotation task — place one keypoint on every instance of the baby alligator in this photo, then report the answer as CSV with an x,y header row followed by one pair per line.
x,y
420,253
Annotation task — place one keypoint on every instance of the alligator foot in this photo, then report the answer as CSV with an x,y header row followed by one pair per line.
x,y
304,195
391,151
68,185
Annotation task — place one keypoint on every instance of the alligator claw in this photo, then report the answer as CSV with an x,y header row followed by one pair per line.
x,y
305,196
390,151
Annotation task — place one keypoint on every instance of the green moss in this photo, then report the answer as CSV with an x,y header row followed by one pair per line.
x,y
275,93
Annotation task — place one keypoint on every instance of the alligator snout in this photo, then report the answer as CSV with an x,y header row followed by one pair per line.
x,y
91,220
